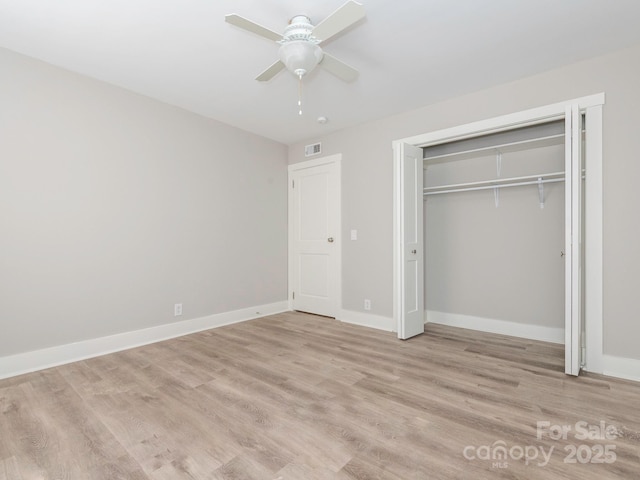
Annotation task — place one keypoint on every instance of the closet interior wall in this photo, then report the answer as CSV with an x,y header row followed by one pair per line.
x,y
496,256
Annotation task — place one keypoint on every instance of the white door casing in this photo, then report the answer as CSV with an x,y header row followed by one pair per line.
x,y
314,236
408,241
593,288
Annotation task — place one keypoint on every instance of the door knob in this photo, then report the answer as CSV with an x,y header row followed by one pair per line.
x,y
330,239
562,254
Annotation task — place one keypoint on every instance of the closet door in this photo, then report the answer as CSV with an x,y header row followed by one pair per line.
x,y
408,251
573,240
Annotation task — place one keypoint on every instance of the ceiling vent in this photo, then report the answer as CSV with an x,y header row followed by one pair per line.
x,y
311,150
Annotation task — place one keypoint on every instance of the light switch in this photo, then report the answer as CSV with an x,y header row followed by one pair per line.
x,y
354,234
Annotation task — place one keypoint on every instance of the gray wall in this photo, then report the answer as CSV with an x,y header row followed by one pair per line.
x,y
499,263
113,207
367,181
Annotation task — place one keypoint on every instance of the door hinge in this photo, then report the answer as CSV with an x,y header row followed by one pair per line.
x,y
294,295
293,184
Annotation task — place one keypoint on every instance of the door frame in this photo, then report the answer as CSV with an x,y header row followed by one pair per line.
x,y
592,107
337,275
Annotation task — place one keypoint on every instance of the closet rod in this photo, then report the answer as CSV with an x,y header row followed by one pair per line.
x,y
495,182
497,185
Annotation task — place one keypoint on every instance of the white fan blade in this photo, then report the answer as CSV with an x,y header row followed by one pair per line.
x,y
338,68
344,17
253,27
270,72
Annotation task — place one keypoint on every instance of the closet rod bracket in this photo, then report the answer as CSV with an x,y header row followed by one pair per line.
x,y
496,191
541,191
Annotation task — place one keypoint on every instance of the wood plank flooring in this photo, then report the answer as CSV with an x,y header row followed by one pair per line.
x,y
300,397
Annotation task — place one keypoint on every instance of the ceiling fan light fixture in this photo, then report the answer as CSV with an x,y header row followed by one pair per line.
x,y
300,51
300,56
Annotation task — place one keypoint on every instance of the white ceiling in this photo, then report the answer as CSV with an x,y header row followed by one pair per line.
x,y
409,53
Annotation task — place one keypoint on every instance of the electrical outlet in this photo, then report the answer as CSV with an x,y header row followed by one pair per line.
x,y
177,310
367,304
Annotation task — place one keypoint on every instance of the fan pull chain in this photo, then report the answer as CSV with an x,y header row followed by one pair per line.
x,y
300,94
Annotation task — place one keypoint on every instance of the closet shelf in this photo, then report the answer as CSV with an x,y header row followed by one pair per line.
x,y
497,183
501,147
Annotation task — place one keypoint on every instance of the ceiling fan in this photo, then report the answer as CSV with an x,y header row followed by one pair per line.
x,y
300,50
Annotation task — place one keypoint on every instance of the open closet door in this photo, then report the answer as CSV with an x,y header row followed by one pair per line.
x,y
408,241
573,240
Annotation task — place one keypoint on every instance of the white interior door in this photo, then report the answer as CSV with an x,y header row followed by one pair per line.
x,y
409,250
573,240
314,226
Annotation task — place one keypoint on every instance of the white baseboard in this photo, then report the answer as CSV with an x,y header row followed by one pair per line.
x,y
627,368
10,366
366,320
522,330
20,363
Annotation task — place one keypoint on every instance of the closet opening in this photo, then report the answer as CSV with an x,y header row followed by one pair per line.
x,y
494,232
509,238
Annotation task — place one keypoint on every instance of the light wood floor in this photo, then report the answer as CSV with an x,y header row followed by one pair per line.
x,y
300,397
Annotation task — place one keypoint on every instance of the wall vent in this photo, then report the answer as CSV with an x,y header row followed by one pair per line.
x,y
311,150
